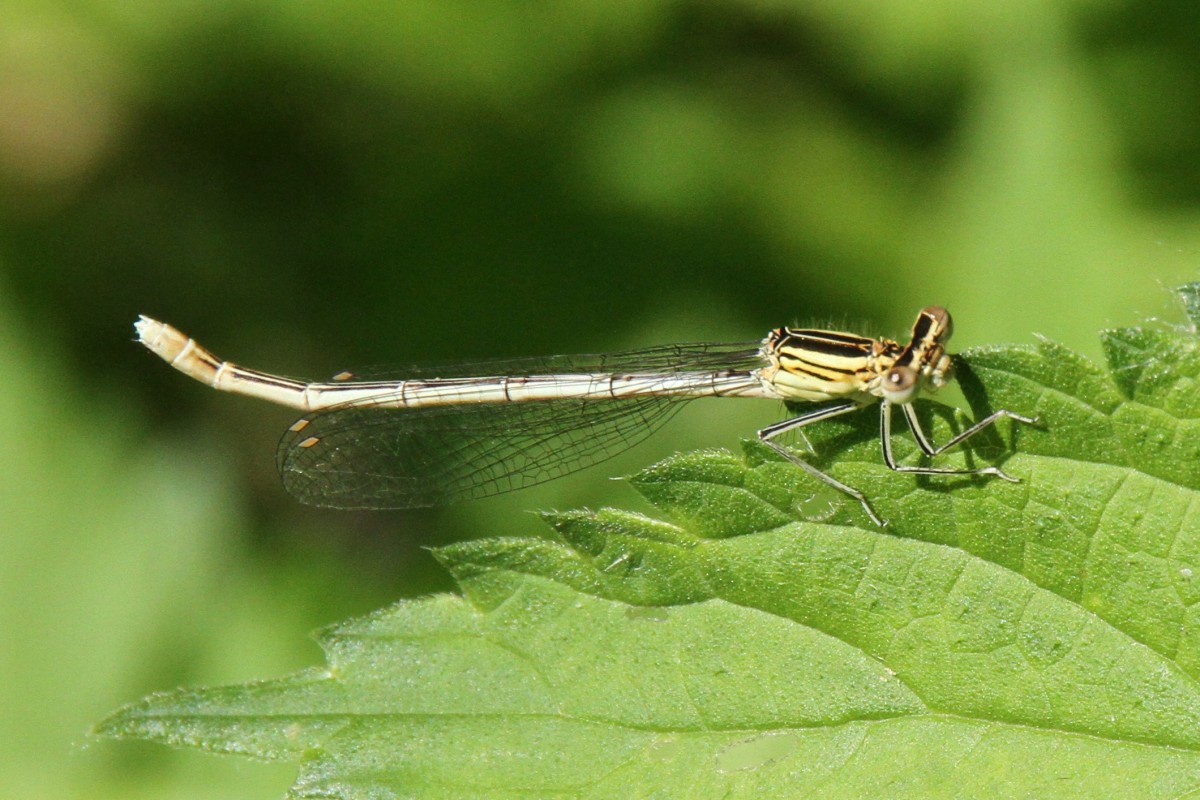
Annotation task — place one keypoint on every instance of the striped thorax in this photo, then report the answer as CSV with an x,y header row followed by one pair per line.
x,y
818,365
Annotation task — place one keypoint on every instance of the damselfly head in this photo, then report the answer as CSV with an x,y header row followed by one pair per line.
x,y
923,363
935,361
941,325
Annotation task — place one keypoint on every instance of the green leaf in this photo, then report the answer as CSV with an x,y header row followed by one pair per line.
x,y
1034,640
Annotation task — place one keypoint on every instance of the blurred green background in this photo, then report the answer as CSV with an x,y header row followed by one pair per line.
x,y
314,185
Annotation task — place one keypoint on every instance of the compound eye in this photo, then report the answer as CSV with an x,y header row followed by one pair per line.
x,y
900,384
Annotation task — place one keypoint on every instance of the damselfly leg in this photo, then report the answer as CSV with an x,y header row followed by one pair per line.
x,y
928,448
796,423
767,434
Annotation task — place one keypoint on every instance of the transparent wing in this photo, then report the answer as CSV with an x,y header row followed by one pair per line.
x,y
369,456
698,357
373,458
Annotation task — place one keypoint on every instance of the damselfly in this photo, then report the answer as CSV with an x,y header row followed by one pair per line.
x,y
475,430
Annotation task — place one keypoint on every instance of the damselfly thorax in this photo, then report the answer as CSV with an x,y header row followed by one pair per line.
x,y
817,365
458,433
